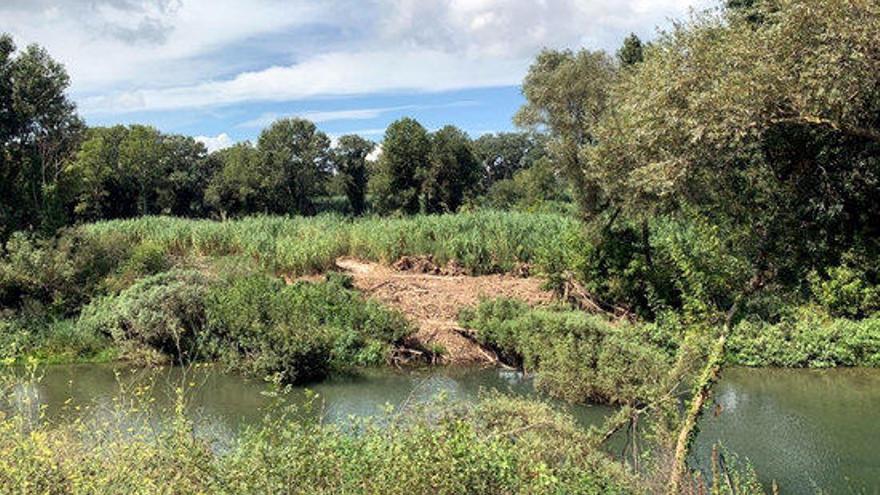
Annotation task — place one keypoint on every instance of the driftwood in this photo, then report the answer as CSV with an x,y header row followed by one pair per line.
x,y
575,293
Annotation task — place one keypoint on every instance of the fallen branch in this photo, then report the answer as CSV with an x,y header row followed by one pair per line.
x,y
702,392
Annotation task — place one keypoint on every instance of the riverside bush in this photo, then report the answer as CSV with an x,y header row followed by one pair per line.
x,y
256,323
575,356
808,339
164,312
301,331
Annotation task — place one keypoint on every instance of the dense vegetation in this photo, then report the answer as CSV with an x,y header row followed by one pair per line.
x,y
711,196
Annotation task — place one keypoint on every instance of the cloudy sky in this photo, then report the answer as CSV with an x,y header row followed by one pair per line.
x,y
223,69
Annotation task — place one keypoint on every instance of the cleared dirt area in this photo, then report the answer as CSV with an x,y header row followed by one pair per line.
x,y
433,302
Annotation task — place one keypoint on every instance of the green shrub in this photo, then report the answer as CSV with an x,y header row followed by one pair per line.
x,y
164,312
500,445
49,340
847,290
301,331
60,273
808,339
576,356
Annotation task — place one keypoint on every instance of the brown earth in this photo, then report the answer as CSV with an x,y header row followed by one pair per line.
x,y
433,302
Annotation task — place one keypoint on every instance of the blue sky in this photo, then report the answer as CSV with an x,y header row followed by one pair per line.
x,y
221,70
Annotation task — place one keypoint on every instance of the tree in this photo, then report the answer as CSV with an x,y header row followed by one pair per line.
x,y
142,160
295,160
767,131
501,155
101,188
236,186
122,172
182,190
632,51
567,94
351,162
406,154
453,172
39,130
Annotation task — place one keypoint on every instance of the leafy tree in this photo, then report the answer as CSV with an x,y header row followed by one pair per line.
x,y
632,51
141,159
501,155
453,173
39,130
406,152
567,94
351,163
295,162
530,188
127,171
236,187
182,190
767,129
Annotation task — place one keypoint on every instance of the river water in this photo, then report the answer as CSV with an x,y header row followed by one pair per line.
x,y
809,431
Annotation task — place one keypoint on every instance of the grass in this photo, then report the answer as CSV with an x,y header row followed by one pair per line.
x,y
483,241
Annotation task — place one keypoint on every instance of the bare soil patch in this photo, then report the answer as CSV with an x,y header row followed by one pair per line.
x,y
433,300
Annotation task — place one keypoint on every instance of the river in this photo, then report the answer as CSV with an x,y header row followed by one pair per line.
x,y
808,431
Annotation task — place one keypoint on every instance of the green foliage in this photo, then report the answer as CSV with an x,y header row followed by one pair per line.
x,y
503,154
632,52
350,157
453,173
576,356
536,188
235,189
482,241
58,274
396,182
50,340
500,445
300,332
294,164
163,313
567,94
124,171
849,290
807,339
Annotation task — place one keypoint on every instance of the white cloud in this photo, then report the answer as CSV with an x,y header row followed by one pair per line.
x,y
321,116
332,74
215,143
376,153
126,55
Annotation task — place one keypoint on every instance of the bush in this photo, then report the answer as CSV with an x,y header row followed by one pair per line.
x,y
164,312
576,356
500,445
808,339
302,331
60,274
848,290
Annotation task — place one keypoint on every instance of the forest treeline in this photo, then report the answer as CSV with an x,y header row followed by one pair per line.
x,y
56,171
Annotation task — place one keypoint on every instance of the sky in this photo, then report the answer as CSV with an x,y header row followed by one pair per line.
x,y
221,70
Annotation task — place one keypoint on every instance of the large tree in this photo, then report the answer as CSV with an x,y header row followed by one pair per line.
x,y
39,129
296,162
405,156
350,157
566,95
453,172
236,186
